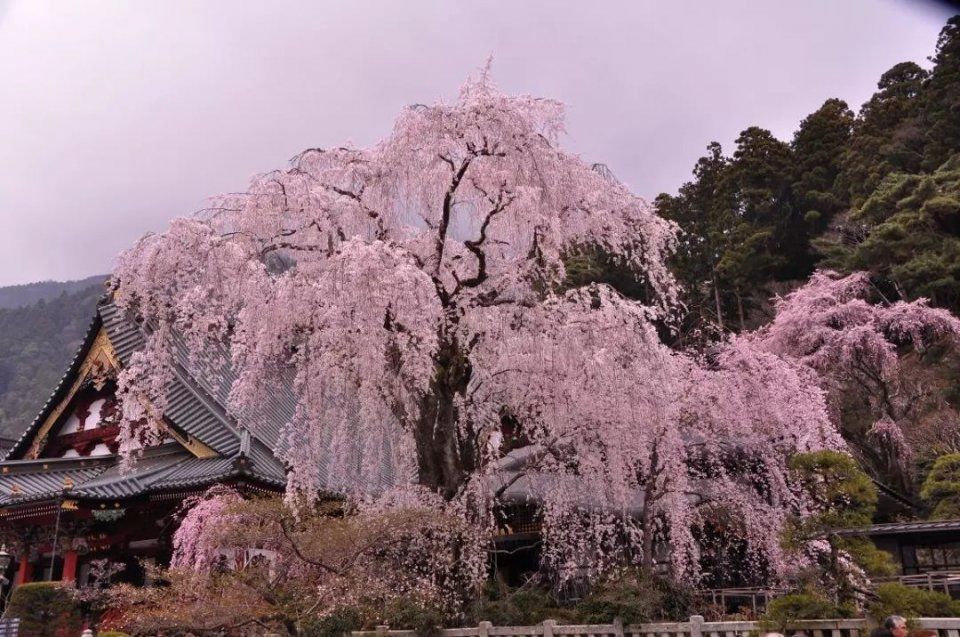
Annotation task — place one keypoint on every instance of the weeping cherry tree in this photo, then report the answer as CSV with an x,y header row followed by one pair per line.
x,y
414,297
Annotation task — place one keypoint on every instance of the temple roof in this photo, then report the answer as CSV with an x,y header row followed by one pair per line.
x,y
194,411
58,394
214,446
162,468
903,528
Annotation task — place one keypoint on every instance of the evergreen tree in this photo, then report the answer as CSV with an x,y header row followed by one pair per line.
x,y
818,148
942,99
941,489
907,234
763,236
887,134
841,496
740,228
703,209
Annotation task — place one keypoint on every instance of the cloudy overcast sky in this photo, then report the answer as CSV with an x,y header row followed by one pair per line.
x,y
117,116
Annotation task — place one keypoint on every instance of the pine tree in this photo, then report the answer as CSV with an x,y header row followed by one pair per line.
x,y
941,110
818,147
887,134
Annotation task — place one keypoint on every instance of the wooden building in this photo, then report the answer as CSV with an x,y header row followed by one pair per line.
x,y
920,548
65,499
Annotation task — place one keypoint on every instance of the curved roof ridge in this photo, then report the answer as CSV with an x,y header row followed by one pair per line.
x,y
62,385
194,407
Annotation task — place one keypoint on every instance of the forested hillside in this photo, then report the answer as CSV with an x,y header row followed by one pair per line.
x,y
15,296
36,344
876,190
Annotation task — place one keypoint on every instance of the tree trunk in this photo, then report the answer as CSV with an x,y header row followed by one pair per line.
x,y
443,458
650,496
743,323
647,548
900,291
716,300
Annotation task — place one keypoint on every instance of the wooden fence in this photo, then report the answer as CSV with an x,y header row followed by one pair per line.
x,y
695,627
941,581
756,599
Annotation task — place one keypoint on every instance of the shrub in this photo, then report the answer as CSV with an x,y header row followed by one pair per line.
x,y
45,609
526,606
635,597
401,613
897,599
404,613
941,489
111,633
783,611
335,625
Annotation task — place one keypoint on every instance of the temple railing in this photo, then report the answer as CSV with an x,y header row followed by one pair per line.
x,y
941,581
695,627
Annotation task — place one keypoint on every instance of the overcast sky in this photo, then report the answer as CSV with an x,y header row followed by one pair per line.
x,y
117,116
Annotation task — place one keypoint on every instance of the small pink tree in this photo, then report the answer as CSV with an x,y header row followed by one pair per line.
x,y
857,346
318,560
415,292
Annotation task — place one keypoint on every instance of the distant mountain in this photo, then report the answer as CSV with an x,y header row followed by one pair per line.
x,y
15,296
41,327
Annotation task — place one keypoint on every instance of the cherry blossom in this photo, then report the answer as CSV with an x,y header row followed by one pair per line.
x,y
854,340
413,297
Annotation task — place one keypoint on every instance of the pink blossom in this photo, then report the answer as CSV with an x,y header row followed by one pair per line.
x,y
412,294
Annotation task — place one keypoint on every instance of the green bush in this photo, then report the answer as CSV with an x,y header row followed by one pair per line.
x,y
635,597
897,599
45,609
407,614
335,625
941,489
111,633
503,606
783,611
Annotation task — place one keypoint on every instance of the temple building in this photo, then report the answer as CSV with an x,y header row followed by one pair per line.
x,y
927,551
65,500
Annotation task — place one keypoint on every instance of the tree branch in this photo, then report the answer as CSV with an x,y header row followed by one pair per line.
x,y
500,203
448,209
299,553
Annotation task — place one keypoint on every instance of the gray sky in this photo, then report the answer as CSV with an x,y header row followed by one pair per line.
x,y
116,116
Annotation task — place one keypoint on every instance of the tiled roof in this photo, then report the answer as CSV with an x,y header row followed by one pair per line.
x,y
27,481
160,469
196,401
196,406
899,528
188,408
63,386
118,482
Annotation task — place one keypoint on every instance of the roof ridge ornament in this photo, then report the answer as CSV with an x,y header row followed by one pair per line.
x,y
242,458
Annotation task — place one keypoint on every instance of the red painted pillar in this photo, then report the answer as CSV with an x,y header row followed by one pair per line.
x,y
70,566
23,573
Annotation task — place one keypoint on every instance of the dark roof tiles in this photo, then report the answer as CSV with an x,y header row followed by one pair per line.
x,y
42,485
196,405
161,469
59,392
900,528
